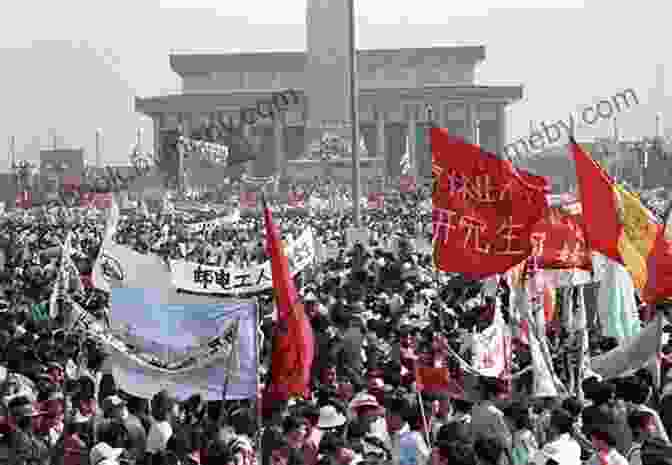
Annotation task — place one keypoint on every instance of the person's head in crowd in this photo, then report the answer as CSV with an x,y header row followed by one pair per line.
x,y
113,432
454,431
396,409
105,454
23,412
336,446
283,454
489,450
603,437
56,373
642,424
163,407
636,391
329,373
243,421
454,453
296,430
561,422
603,393
115,407
332,419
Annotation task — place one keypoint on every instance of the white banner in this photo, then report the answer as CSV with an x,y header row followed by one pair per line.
x,y
207,279
208,226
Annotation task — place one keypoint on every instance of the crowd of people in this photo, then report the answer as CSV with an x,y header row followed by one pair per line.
x,y
378,312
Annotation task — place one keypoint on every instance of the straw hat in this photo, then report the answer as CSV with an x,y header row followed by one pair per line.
x,y
364,400
103,452
330,417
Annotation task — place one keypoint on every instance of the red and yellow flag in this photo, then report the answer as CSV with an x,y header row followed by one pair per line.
x,y
618,226
293,344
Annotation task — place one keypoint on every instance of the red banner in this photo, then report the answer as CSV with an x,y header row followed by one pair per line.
x,y
296,199
376,201
248,200
407,184
559,241
484,209
24,199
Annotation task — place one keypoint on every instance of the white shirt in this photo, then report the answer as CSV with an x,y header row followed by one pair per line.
x,y
159,434
564,450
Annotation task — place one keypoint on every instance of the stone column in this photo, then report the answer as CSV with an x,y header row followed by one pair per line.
x,y
471,110
279,142
247,133
380,142
501,129
412,146
157,119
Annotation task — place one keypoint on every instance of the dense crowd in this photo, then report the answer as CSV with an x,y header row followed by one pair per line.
x,y
378,312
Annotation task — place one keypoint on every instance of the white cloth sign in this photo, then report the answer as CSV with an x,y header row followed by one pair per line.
x,y
206,279
207,226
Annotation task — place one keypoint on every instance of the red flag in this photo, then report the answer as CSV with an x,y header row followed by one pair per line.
x,y
296,199
24,199
484,209
407,184
559,241
87,199
103,201
293,342
376,201
619,226
248,200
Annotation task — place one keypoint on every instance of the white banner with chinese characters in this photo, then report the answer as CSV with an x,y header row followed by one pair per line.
x,y
206,279
208,226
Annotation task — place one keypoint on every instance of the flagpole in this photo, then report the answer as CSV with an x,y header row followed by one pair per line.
x,y
354,119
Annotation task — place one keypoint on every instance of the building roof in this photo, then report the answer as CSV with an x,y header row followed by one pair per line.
x,y
215,101
184,64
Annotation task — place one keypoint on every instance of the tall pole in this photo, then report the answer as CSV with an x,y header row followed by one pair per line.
x,y
12,152
98,148
354,118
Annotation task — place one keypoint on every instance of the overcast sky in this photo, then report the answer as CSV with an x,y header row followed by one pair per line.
x,y
71,66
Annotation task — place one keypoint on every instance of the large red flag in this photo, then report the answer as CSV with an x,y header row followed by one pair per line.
x,y
484,209
619,226
293,347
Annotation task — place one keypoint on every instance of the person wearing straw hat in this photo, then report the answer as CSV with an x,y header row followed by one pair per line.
x,y
330,418
104,454
369,413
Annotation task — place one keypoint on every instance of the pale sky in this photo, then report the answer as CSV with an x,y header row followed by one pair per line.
x,y
72,66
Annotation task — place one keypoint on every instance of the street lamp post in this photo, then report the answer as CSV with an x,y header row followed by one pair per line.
x,y
354,118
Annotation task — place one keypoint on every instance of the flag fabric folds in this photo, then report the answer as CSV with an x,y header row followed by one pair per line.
x,y
484,209
616,303
560,242
619,227
293,348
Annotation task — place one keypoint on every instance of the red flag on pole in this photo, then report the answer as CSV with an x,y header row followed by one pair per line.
x,y
293,347
24,199
484,209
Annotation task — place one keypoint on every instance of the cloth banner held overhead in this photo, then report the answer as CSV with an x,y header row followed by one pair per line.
x,y
183,348
207,226
205,279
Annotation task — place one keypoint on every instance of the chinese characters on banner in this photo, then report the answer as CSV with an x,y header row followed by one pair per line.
x,y
101,201
376,201
248,200
24,200
206,279
483,209
559,241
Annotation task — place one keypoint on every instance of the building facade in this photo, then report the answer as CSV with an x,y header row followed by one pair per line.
x,y
396,90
